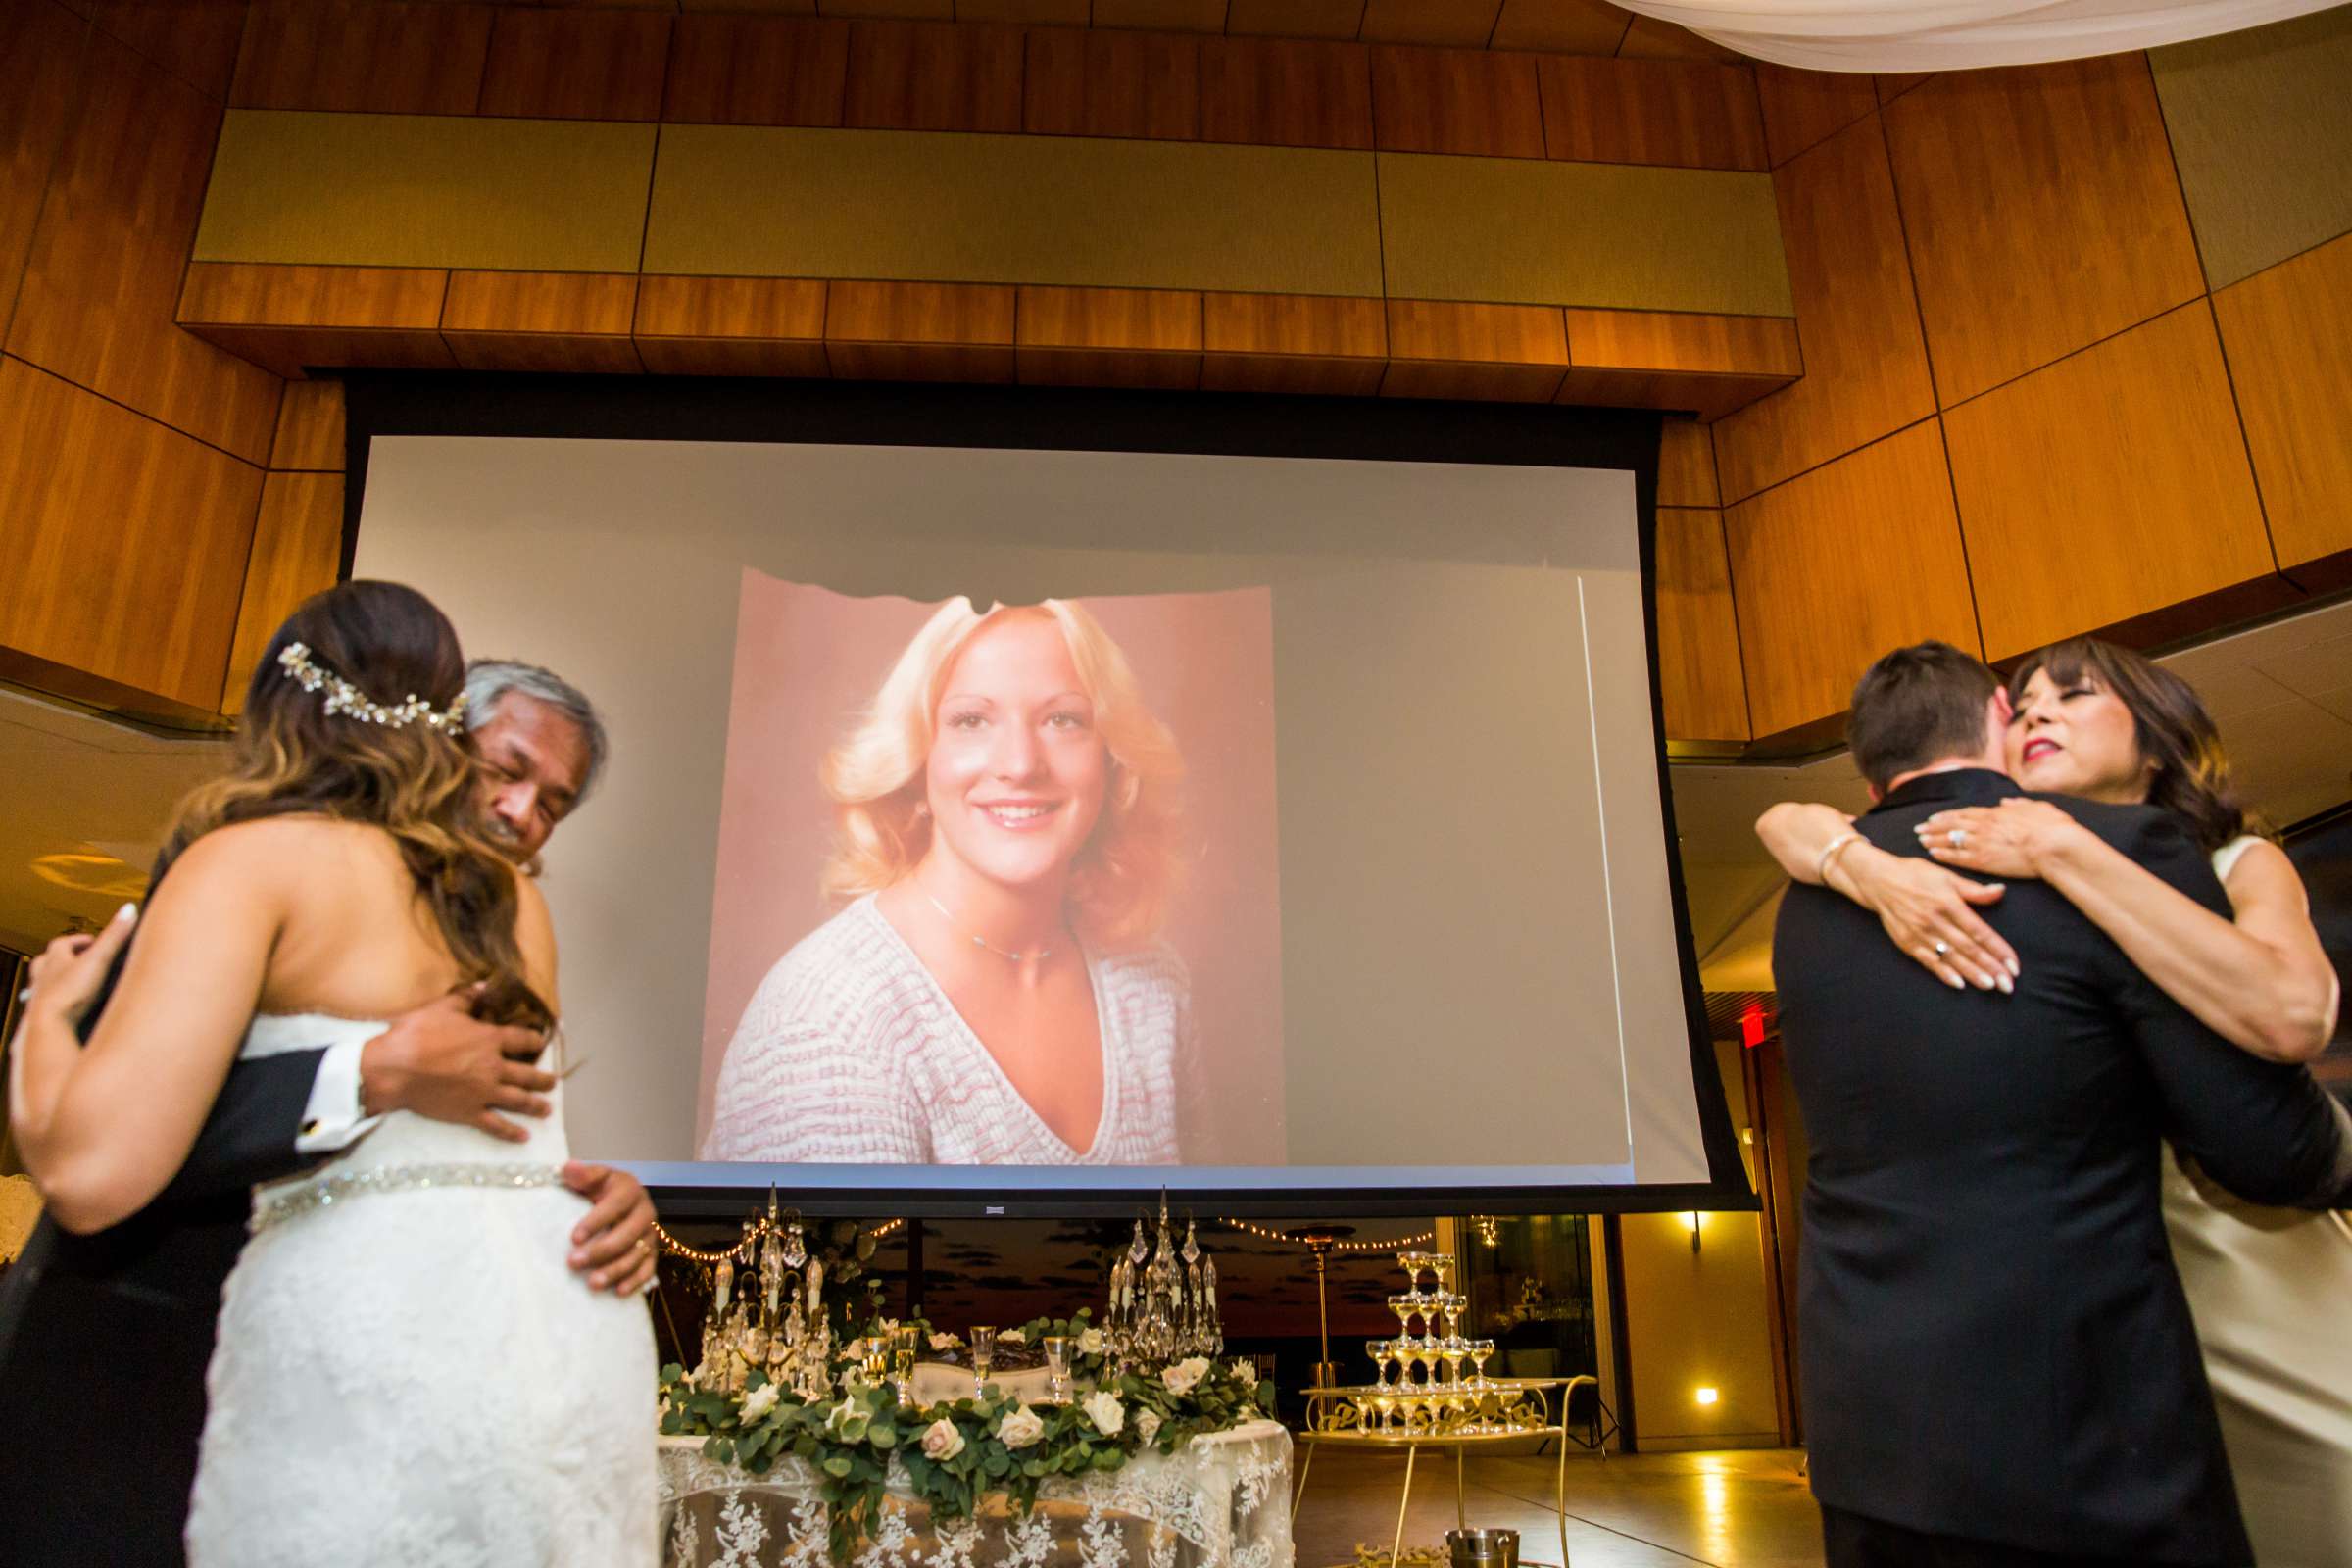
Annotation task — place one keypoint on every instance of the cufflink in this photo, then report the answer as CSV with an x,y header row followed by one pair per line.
x,y
309,1129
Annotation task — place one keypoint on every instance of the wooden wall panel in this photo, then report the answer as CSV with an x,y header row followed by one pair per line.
x,y
2108,485
757,71
1027,12
421,59
1161,16
1501,353
297,552
1294,18
1466,101
1286,92
1648,38
310,428
147,601
541,320
891,10
1837,567
929,76
1707,365
1089,83
1294,343
2287,333
1109,337
732,326
2044,213
576,65
1701,687
286,317
1686,466
41,47
1569,26
1459,23
919,332
1866,368
195,41
1804,107
1693,113
103,272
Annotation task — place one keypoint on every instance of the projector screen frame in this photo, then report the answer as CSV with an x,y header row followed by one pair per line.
x,y
1034,419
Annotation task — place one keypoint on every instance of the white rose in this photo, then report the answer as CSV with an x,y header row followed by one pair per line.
x,y
1103,1409
1091,1342
942,1441
1020,1428
1181,1377
1147,1426
1014,1336
760,1401
1245,1372
945,1342
885,1327
837,1417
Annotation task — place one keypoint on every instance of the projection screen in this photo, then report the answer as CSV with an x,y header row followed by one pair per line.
x,y
1025,826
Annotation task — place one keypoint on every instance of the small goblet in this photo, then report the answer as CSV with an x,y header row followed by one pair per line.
x,y
1058,1367
984,1356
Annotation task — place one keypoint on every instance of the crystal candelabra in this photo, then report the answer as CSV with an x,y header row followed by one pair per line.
x,y
769,1316
1164,1300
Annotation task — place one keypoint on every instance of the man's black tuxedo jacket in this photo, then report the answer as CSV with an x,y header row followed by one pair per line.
x,y
1994,1345
103,1340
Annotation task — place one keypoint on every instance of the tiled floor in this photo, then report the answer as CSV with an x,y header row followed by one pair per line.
x,y
1746,1508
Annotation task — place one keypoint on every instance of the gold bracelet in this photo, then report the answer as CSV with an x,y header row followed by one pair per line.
x,y
1821,865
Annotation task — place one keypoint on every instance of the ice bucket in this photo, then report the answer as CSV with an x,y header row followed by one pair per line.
x,y
1482,1549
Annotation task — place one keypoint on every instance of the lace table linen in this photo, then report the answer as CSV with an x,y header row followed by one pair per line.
x,y
1223,1501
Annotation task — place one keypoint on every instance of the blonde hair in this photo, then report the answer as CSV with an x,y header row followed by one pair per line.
x,y
1122,879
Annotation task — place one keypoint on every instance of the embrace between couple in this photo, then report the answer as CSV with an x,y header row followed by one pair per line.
x,y
2000,1363
343,987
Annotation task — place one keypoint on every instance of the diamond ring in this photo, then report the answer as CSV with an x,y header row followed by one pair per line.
x,y
1943,948
1959,838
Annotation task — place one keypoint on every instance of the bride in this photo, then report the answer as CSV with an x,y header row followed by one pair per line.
x,y
406,1373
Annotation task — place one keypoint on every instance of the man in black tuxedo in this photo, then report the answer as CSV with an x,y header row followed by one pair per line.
x,y
1998,1362
78,1484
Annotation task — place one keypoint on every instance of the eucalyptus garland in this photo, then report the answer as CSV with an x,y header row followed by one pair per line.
x,y
953,1454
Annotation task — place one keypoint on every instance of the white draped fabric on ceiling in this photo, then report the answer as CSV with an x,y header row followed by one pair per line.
x,y
1954,35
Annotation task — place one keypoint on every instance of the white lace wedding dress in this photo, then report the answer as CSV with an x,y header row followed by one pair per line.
x,y
408,1375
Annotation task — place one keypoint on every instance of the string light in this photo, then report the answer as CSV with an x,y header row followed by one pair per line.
x,y
1263,1234
740,1253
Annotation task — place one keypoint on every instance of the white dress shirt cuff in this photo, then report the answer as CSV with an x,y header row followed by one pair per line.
x,y
333,1120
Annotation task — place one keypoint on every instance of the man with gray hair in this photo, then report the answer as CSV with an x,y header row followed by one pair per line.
x,y
542,747
153,1284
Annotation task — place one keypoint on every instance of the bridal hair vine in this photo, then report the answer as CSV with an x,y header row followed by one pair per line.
x,y
342,697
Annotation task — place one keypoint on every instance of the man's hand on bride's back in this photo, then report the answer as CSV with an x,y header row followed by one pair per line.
x,y
442,1062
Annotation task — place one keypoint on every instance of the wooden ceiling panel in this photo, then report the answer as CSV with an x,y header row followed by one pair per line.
x,y
1866,368
2044,213
2108,485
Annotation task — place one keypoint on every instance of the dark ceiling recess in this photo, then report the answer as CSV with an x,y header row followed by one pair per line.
x,y
1726,1009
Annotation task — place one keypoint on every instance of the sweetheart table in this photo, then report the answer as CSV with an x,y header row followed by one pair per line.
x,y
1221,1501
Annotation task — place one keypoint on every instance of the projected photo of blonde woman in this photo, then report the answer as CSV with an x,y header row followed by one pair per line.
x,y
994,976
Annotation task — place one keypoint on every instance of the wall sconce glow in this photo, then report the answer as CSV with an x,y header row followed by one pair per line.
x,y
1693,1218
1708,1396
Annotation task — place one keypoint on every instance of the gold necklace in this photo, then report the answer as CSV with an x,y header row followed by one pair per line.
x,y
1039,956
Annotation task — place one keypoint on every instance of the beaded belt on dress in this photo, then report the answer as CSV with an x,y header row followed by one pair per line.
x,y
325,1192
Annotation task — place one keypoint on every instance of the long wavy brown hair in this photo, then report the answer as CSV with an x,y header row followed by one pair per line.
x,y
416,783
2169,726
